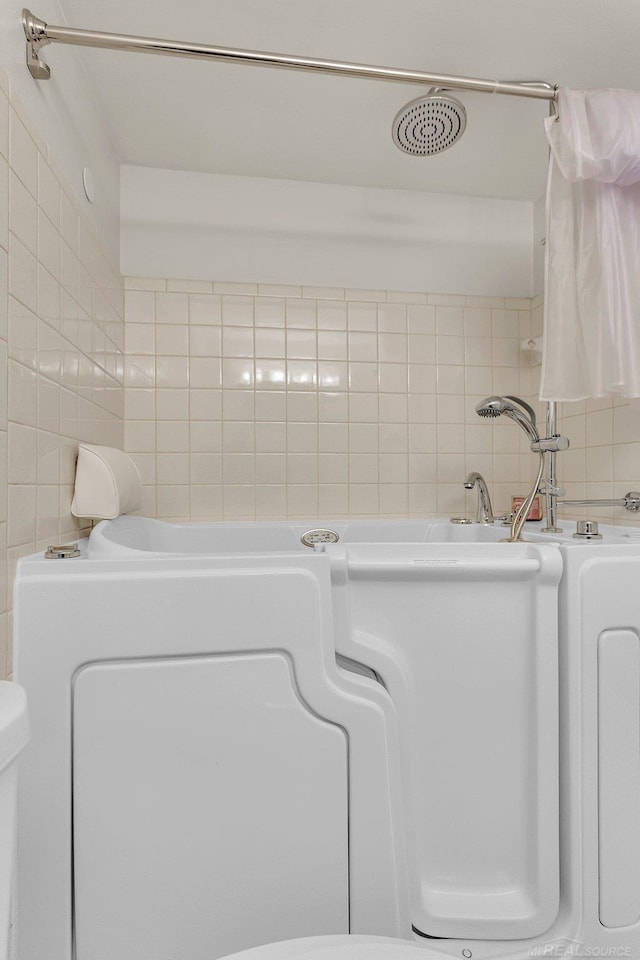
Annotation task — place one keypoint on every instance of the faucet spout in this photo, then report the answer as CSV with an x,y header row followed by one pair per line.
x,y
484,512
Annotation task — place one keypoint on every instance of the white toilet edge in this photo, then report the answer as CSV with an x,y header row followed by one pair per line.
x,y
345,947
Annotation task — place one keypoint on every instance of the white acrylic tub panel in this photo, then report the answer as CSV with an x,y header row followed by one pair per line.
x,y
143,639
605,648
195,780
465,640
619,776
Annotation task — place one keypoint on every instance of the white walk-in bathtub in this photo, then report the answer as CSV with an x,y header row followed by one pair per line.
x,y
414,730
143,537
140,536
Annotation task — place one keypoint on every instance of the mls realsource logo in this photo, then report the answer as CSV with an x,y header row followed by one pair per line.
x,y
574,948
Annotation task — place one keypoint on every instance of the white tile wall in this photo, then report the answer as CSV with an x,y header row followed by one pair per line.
x,y
604,460
248,401
258,401
61,349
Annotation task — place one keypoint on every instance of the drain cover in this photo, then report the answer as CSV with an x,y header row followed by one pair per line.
x,y
311,537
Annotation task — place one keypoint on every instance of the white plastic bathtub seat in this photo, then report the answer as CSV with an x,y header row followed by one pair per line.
x,y
464,636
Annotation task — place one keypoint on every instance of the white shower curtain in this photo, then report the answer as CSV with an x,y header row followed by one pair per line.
x,y
592,297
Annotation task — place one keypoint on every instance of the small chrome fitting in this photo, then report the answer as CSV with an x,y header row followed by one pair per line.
x,y
64,551
553,444
587,530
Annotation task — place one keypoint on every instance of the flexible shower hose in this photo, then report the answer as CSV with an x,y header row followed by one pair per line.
x,y
523,510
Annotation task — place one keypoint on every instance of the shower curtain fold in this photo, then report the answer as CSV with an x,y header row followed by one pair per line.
x,y
592,276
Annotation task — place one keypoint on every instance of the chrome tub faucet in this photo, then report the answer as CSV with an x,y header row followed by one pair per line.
x,y
484,512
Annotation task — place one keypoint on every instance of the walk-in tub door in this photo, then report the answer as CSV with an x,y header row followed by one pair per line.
x,y
464,636
209,806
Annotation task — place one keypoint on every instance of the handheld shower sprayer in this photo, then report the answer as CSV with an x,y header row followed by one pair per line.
x,y
524,415
514,408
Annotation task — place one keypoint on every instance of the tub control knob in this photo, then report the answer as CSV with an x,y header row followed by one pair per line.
x,y
587,530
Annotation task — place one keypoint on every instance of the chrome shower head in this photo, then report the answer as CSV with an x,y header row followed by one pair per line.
x,y
495,406
514,408
489,409
429,124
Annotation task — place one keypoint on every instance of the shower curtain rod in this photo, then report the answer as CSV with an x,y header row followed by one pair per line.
x,y
39,34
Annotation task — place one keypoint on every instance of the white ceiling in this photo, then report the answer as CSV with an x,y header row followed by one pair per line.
x,y
219,118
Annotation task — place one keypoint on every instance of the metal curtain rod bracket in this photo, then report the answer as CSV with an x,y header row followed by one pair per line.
x,y
39,33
